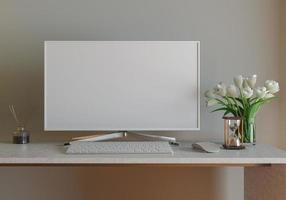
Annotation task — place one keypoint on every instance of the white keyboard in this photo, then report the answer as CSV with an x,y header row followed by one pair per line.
x,y
132,147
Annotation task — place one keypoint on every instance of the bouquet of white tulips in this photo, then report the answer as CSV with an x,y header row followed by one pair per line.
x,y
242,99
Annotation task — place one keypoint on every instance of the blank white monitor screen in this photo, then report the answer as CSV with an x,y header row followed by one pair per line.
x,y
121,85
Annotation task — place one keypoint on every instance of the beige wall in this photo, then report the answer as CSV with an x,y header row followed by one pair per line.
x,y
269,182
237,37
283,66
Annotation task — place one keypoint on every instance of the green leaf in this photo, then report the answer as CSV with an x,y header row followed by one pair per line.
x,y
254,109
226,113
229,110
239,100
269,99
221,102
219,109
253,99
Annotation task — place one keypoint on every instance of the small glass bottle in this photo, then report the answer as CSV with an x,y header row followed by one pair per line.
x,y
21,136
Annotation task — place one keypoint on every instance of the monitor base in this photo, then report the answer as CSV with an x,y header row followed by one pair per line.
x,y
123,135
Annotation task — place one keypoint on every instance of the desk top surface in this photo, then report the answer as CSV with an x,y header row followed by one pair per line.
x,y
54,154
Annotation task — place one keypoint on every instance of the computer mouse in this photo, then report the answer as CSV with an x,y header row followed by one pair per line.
x,y
208,147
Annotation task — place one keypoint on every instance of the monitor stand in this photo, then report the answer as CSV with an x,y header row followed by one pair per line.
x,y
125,135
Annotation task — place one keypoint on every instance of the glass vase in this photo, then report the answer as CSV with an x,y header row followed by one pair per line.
x,y
249,131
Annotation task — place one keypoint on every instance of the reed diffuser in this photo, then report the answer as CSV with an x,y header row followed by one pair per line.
x,y
21,135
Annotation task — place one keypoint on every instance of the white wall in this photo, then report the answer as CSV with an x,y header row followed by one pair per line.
x,y
237,37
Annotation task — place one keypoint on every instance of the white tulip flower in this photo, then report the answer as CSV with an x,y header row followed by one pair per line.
x,y
251,81
260,92
211,102
220,89
238,80
272,86
210,94
242,98
268,95
247,92
231,91
245,84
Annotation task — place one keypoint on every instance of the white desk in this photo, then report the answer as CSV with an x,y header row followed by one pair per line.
x,y
54,154
262,163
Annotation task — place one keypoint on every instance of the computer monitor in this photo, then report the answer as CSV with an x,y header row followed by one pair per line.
x,y
122,85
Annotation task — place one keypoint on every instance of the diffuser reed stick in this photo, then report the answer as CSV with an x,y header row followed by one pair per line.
x,y
14,114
